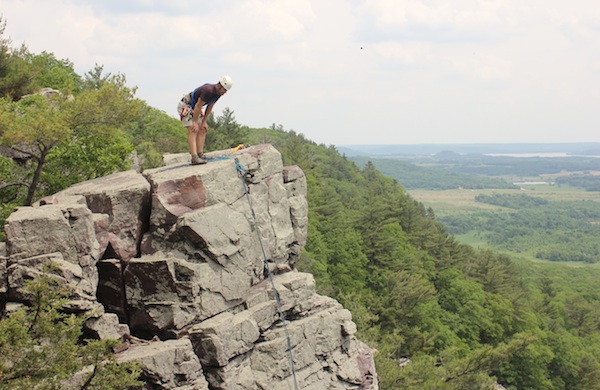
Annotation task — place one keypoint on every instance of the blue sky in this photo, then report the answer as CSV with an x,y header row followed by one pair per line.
x,y
347,72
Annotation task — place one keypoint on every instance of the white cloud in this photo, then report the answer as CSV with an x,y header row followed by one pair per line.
x,y
279,20
438,20
347,71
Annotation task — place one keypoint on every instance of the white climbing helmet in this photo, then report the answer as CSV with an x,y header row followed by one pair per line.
x,y
226,82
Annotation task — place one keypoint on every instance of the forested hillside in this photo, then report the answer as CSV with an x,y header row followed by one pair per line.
x,y
448,170
586,181
548,230
417,176
463,318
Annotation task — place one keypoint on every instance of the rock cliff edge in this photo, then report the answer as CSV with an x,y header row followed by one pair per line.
x,y
192,267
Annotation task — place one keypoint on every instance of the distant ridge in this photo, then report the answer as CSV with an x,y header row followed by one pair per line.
x,y
580,148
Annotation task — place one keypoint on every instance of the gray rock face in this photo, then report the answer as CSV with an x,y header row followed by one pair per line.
x,y
199,262
170,364
122,201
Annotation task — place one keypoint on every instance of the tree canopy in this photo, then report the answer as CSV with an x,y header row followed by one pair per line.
x,y
462,318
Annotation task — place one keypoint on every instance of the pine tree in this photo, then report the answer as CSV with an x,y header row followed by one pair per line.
x,y
41,348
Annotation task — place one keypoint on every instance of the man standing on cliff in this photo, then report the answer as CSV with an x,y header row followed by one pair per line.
x,y
194,119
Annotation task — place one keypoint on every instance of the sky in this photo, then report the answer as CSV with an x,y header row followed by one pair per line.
x,y
346,72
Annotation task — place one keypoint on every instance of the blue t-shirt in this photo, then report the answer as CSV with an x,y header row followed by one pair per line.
x,y
207,93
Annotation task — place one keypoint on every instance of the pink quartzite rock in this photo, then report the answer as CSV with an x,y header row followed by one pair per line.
x,y
181,189
199,262
67,228
124,197
170,364
111,290
82,281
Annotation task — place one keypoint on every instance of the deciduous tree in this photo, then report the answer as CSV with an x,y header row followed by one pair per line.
x,y
80,138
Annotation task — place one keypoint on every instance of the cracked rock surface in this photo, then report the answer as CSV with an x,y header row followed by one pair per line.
x,y
175,262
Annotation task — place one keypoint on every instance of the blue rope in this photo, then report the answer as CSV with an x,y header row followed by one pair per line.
x,y
218,158
241,172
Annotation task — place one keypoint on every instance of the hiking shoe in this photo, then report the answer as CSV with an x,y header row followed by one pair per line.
x,y
197,160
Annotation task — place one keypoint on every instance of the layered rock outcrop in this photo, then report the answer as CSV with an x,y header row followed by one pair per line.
x,y
192,268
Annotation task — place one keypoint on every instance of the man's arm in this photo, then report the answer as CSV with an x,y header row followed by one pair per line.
x,y
197,113
207,112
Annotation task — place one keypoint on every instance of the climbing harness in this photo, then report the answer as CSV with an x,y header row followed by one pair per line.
x,y
185,107
241,172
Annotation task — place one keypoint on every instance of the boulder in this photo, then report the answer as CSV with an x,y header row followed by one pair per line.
x,y
225,237
65,228
254,348
177,190
124,198
192,269
170,364
106,326
82,286
183,194
169,294
295,185
223,337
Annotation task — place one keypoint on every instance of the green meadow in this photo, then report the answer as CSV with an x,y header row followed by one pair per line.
x,y
563,225
459,201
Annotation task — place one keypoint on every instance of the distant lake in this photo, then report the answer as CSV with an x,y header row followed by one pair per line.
x,y
558,154
531,183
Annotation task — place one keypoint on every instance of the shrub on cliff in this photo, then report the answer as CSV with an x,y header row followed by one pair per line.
x,y
41,347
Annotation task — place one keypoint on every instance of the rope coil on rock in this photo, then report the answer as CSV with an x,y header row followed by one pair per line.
x,y
241,172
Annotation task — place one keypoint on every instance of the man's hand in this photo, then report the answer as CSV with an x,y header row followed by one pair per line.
x,y
204,127
195,127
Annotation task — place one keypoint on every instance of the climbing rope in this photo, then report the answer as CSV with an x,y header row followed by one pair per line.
x,y
241,172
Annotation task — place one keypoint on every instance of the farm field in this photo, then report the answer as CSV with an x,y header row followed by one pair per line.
x,y
541,207
456,201
562,226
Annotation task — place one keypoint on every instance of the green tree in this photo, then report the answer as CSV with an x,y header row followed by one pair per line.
x,y
582,316
588,373
297,151
41,349
478,317
156,133
17,73
457,369
55,73
97,77
346,261
23,73
224,131
528,366
88,128
31,128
